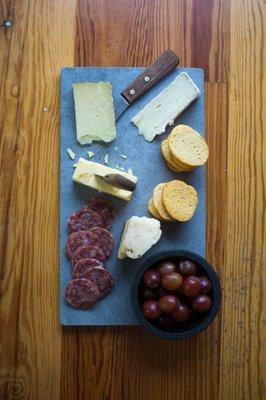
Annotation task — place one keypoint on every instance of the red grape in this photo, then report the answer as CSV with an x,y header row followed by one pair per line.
x,y
181,314
168,303
205,284
166,267
187,268
151,310
191,286
172,281
202,303
152,279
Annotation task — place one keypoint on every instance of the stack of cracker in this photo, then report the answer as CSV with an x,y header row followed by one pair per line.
x,y
184,149
173,201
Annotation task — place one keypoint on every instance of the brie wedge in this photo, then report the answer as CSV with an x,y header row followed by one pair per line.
x,y
166,106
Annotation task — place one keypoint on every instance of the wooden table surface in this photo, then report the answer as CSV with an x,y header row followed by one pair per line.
x,y
38,358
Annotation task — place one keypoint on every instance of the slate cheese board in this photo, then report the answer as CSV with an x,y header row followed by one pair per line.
x,y
146,161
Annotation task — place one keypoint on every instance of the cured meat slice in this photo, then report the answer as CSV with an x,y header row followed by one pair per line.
x,y
81,238
84,220
84,265
87,252
102,279
104,209
106,238
82,293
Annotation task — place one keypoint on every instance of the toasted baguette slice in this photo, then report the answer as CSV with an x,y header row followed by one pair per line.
x,y
180,200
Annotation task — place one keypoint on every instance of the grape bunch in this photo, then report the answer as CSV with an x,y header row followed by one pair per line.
x,y
175,293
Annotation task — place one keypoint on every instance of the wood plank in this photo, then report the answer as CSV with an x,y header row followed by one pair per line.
x,y
103,29
36,47
216,128
243,354
209,22
194,29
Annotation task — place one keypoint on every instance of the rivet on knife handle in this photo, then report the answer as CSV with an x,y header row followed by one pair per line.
x,y
120,182
150,76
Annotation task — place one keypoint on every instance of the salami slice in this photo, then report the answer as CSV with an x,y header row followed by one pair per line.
x,y
104,209
87,252
84,265
106,238
102,279
81,238
84,220
82,293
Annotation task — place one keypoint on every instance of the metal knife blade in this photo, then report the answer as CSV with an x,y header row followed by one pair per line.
x,y
120,106
120,182
146,80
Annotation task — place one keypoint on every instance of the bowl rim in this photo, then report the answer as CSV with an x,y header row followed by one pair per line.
x,y
146,263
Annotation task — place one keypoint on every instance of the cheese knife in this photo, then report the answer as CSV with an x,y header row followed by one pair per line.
x,y
119,181
146,80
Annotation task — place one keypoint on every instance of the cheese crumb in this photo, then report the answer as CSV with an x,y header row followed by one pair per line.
x,y
90,154
123,156
130,171
71,154
106,158
74,165
121,168
116,148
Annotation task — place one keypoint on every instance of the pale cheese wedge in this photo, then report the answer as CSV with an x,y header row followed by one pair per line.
x,y
94,110
139,235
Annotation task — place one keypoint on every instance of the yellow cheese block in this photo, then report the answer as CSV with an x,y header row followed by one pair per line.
x,y
90,174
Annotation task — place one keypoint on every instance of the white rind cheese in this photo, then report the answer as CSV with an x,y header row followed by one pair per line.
x,y
89,173
94,110
166,106
139,235
120,168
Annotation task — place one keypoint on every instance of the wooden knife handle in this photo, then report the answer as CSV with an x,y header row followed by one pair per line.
x,y
150,76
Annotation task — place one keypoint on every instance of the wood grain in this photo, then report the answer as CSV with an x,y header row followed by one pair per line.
x,y
34,50
38,359
243,357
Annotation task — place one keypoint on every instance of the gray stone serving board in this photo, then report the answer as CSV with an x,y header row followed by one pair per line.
x,y
146,161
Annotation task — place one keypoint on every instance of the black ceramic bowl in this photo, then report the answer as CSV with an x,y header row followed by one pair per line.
x,y
189,329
